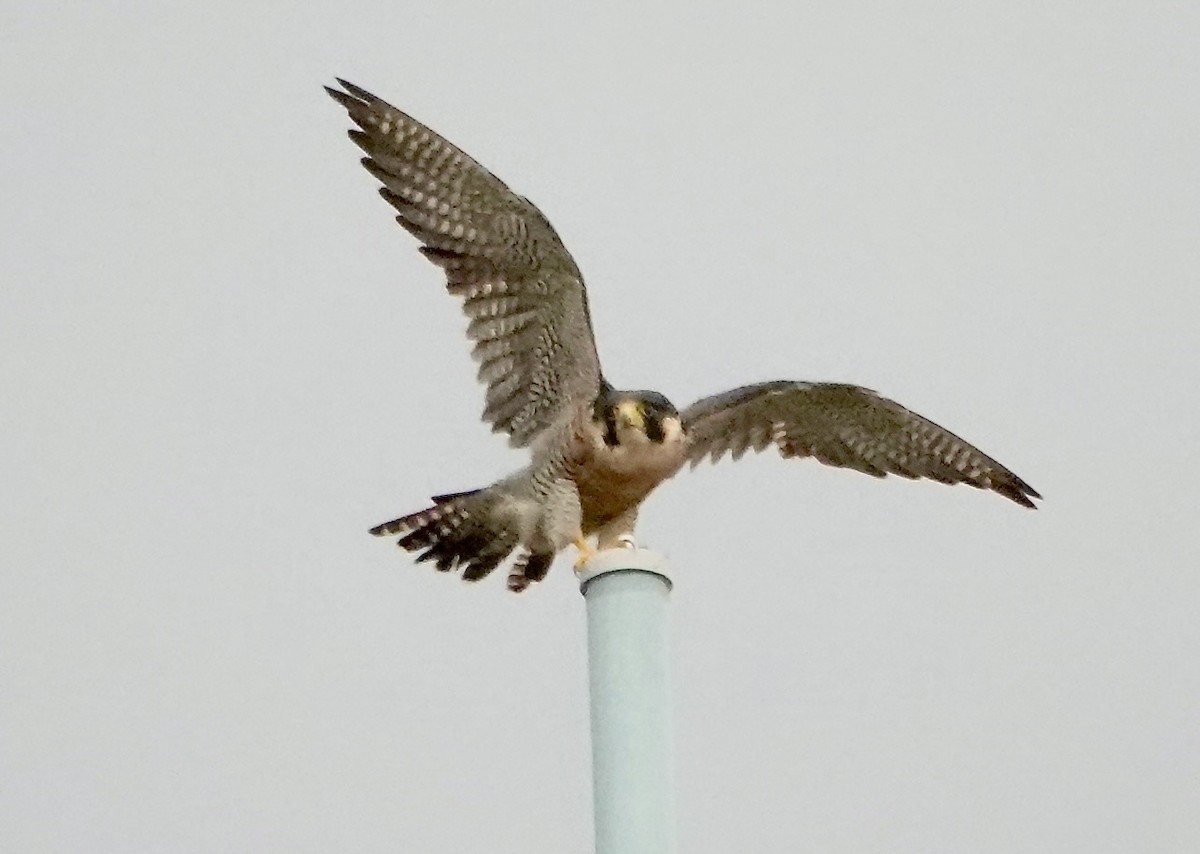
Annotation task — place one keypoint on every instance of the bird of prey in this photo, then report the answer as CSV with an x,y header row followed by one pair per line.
x,y
595,452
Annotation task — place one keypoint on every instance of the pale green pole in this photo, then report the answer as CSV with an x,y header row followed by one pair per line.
x,y
627,591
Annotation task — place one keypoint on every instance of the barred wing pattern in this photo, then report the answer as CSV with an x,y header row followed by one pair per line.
x,y
845,426
522,292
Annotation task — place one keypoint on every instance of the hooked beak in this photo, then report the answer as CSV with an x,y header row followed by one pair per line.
x,y
631,414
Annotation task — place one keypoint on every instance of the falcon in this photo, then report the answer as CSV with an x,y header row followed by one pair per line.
x,y
595,452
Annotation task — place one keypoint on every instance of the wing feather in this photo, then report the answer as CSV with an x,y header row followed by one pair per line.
x,y
844,426
521,291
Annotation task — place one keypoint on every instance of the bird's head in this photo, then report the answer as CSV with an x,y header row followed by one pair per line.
x,y
636,417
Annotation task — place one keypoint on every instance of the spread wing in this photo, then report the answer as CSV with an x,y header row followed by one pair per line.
x,y
844,426
521,290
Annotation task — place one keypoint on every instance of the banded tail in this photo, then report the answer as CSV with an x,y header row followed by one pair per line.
x,y
463,531
530,567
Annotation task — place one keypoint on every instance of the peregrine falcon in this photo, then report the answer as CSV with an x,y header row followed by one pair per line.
x,y
595,452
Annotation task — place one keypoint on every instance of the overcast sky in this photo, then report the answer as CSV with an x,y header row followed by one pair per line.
x,y
221,362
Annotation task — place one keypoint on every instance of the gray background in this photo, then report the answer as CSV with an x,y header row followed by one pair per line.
x,y
220,362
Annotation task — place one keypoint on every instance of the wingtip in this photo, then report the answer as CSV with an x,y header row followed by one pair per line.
x,y
356,91
1019,492
349,95
337,95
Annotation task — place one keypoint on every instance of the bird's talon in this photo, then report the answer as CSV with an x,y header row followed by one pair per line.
x,y
586,553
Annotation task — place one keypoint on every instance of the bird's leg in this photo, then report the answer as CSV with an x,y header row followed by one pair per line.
x,y
586,552
618,532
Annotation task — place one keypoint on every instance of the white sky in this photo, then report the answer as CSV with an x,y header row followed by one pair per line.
x,y
221,362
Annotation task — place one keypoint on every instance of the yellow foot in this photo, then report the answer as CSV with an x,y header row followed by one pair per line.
x,y
586,552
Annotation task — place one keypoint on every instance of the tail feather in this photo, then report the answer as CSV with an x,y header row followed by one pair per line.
x,y
446,509
458,531
529,568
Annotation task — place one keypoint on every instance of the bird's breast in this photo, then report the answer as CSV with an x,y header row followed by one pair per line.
x,y
614,478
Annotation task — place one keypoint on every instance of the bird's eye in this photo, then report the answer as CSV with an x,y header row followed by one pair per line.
x,y
609,416
654,428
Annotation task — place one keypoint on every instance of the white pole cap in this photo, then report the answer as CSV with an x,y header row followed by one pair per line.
x,y
623,560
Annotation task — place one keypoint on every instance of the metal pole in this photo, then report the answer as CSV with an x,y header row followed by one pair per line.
x,y
626,591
